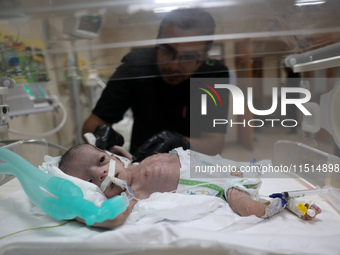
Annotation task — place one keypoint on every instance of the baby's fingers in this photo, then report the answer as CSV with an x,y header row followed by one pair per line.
x,y
317,211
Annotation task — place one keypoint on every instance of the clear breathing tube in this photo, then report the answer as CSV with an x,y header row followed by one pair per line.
x,y
64,200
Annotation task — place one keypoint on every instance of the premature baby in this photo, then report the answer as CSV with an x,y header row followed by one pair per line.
x,y
157,173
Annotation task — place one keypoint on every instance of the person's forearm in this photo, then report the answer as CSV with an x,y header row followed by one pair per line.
x,y
91,123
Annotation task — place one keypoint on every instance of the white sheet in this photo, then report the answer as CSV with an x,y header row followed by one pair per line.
x,y
216,227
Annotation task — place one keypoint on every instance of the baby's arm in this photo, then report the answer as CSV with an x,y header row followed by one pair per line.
x,y
121,151
243,204
116,222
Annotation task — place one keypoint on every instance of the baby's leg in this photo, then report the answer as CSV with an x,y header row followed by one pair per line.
x,y
243,204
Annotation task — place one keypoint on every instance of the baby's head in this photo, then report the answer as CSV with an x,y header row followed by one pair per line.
x,y
91,164
70,158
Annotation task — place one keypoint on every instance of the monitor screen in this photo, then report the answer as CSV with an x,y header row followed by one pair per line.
x,y
90,23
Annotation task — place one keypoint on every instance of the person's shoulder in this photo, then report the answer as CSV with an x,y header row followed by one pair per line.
x,y
212,68
214,64
139,62
140,56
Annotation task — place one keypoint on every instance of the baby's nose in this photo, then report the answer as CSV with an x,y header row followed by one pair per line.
x,y
102,175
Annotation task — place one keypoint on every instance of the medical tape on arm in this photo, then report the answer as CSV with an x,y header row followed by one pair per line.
x,y
275,206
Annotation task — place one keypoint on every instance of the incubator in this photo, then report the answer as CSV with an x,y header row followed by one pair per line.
x,y
56,57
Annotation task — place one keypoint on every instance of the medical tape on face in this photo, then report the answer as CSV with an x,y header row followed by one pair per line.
x,y
110,176
124,160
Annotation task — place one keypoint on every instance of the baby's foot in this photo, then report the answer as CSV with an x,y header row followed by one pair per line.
x,y
310,216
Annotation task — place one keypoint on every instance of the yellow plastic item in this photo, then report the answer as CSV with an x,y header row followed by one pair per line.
x,y
302,208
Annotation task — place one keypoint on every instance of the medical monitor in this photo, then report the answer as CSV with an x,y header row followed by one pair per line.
x,y
85,26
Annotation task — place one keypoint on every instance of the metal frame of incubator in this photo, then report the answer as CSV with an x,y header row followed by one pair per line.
x,y
5,83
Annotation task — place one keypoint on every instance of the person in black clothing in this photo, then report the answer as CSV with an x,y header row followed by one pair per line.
x,y
155,83
293,80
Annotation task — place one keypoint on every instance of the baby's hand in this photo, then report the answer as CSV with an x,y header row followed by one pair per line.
x,y
121,151
316,209
303,207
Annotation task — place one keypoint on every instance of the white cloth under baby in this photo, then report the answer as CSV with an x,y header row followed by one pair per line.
x,y
173,206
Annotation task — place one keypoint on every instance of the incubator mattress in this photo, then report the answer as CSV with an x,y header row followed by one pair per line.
x,y
176,220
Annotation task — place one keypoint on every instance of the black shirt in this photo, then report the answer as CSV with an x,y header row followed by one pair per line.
x,y
156,105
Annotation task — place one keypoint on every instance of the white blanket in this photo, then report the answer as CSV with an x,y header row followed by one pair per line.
x,y
183,221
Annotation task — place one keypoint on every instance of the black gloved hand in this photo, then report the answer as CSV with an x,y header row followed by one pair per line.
x,y
162,142
106,137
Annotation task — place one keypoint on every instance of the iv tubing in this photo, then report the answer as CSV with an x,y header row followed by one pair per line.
x,y
306,192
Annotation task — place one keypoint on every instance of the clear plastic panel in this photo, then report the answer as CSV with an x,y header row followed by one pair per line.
x,y
75,46
272,27
311,164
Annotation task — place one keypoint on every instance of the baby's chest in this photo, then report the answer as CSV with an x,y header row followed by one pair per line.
x,y
159,178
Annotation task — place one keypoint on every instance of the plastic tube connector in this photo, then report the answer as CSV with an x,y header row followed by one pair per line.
x,y
302,208
281,196
311,213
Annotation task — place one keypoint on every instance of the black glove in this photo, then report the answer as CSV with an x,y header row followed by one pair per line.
x,y
106,137
162,142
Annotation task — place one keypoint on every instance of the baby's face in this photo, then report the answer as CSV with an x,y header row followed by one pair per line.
x,y
93,166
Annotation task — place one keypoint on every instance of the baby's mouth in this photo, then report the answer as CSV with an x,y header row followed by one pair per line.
x,y
112,184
